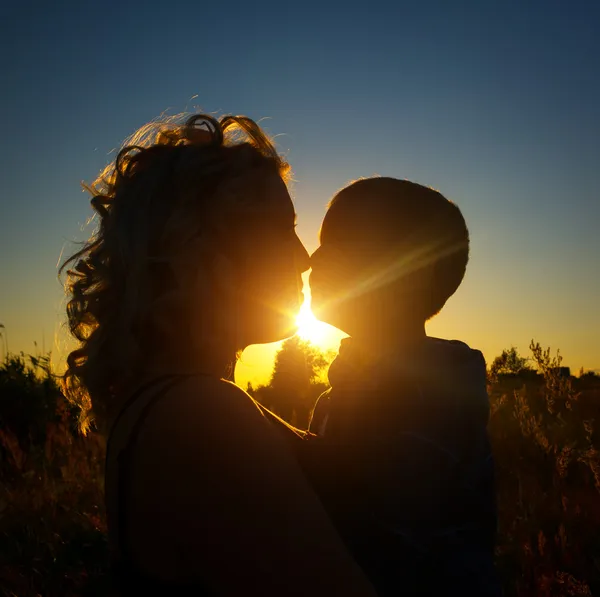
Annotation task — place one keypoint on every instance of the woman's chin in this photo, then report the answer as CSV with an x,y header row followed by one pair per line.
x,y
319,303
326,315
274,333
319,311
286,330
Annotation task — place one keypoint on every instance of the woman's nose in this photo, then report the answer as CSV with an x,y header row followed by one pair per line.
x,y
302,257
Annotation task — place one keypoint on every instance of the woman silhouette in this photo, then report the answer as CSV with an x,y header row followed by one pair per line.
x,y
195,258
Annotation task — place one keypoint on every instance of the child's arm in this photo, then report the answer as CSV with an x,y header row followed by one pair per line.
x,y
319,414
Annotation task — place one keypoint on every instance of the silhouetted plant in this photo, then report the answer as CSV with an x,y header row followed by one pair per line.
x,y
547,477
510,362
31,408
295,382
543,430
52,529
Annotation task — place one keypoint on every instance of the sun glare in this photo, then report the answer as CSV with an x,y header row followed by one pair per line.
x,y
309,327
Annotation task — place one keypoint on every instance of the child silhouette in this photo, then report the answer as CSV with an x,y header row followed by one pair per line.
x,y
401,457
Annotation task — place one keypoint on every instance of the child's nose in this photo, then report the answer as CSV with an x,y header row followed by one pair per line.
x,y
315,256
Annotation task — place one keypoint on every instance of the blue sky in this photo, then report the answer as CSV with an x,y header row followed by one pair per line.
x,y
497,104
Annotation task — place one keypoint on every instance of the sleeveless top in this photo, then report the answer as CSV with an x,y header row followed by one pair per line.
x,y
128,577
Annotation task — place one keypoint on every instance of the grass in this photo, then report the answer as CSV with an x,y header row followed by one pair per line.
x,y
52,521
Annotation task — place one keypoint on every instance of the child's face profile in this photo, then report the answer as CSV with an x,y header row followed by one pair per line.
x,y
361,281
346,272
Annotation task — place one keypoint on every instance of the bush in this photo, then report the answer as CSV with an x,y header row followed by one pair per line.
x,y
296,381
548,479
52,527
52,520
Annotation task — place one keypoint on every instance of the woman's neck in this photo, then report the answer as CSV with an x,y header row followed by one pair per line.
x,y
215,361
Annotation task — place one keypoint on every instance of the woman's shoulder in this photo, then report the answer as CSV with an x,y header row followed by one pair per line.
x,y
200,403
208,385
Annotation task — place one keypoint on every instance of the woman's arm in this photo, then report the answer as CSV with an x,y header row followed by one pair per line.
x,y
218,498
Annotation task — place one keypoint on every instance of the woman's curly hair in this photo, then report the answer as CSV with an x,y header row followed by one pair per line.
x,y
168,208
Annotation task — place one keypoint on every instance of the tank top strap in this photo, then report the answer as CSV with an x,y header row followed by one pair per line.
x,y
124,565
161,381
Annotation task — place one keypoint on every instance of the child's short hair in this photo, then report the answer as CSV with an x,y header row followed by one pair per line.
x,y
405,216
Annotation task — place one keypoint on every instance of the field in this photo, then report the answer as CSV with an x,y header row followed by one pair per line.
x,y
52,524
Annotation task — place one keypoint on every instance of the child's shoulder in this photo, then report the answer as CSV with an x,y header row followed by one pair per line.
x,y
433,340
456,374
452,351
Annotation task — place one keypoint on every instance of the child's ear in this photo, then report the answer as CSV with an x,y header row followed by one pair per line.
x,y
424,284
428,277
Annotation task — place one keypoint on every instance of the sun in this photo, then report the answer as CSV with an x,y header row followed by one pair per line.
x,y
309,327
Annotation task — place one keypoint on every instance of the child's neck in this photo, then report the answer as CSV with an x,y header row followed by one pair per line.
x,y
396,337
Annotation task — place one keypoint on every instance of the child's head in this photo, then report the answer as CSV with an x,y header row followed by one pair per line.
x,y
392,253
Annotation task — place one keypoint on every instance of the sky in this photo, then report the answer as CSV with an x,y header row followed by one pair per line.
x,y
496,104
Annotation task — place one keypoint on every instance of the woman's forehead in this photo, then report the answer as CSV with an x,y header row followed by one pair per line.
x,y
277,196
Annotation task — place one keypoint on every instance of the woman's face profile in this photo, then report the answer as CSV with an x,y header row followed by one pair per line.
x,y
273,260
